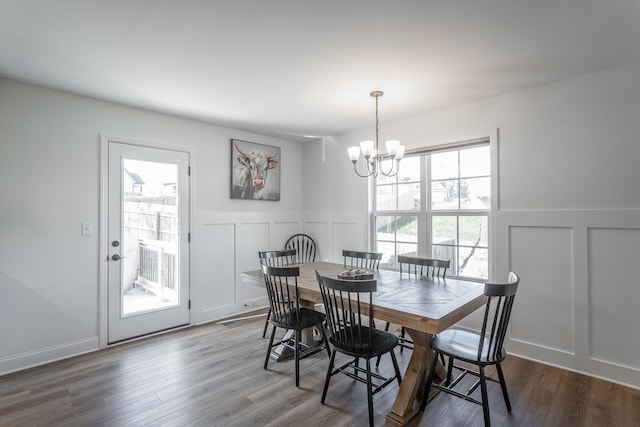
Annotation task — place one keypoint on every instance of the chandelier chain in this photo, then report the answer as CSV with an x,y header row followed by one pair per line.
x,y
377,95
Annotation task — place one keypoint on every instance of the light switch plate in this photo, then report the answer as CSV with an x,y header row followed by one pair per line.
x,y
86,229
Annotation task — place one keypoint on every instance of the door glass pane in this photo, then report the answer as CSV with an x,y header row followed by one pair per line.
x,y
149,236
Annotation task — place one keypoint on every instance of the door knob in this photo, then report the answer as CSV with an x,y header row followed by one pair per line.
x,y
116,257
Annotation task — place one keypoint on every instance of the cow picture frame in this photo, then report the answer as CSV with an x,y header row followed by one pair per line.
x,y
255,171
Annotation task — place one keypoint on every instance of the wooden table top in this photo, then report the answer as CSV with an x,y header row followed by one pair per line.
x,y
424,304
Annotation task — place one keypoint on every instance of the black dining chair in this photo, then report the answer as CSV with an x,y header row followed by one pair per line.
x,y
305,247
359,259
418,266
279,258
430,267
480,350
353,333
286,313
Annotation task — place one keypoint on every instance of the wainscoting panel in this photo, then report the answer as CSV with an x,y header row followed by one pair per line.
x,y
223,246
320,233
347,235
614,295
215,272
251,238
578,302
542,256
280,232
335,231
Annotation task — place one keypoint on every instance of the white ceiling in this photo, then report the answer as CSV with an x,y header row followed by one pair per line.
x,y
297,68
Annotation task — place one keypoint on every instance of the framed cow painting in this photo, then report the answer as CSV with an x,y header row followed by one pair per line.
x,y
255,171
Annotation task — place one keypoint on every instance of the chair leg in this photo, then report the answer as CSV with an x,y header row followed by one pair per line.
x,y
395,367
369,392
296,353
328,378
485,399
401,338
449,370
427,389
326,342
386,328
266,323
266,360
503,385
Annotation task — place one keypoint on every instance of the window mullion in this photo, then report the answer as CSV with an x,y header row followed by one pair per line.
x,y
424,240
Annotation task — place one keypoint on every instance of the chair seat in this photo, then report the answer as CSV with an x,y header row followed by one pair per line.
x,y
464,345
381,342
307,318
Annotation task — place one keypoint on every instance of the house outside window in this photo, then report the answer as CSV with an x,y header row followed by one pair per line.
x,y
438,206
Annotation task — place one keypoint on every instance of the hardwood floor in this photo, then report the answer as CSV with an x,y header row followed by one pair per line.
x,y
213,375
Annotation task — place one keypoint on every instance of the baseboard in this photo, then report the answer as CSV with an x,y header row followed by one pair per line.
x,y
605,370
214,314
42,356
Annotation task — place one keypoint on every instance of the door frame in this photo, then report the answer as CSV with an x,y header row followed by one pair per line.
x,y
103,250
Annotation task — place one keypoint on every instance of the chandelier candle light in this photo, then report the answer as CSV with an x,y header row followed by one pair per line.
x,y
372,154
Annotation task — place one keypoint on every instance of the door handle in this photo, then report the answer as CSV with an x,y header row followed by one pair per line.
x,y
116,257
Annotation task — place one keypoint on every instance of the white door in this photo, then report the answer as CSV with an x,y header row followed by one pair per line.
x,y
148,238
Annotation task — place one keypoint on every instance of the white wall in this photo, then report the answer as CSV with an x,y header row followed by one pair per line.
x,y
569,211
568,218
49,175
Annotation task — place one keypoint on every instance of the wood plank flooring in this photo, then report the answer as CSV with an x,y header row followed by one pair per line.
x,y
213,375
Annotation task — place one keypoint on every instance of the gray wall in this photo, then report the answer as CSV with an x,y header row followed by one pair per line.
x,y
568,217
50,173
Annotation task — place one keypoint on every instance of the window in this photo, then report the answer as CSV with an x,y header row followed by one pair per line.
x,y
438,206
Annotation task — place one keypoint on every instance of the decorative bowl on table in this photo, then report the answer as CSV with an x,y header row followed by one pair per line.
x,y
355,274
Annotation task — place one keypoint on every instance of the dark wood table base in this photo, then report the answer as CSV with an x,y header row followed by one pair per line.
x,y
405,407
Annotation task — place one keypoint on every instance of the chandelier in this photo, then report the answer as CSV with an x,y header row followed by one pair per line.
x,y
370,150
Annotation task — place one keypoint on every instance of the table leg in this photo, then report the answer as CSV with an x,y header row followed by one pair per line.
x,y
282,352
413,381
307,334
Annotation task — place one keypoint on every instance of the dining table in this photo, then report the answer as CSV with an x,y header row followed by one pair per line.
x,y
423,305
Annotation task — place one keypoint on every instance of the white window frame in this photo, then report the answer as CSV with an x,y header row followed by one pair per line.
x,y
425,213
